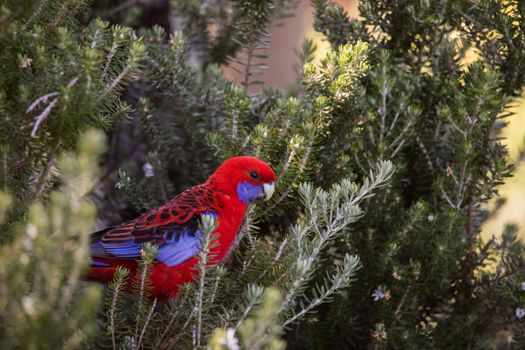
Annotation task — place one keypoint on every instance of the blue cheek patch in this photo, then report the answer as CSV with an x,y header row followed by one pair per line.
x,y
248,192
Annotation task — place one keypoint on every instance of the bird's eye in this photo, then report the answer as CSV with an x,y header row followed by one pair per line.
x,y
254,174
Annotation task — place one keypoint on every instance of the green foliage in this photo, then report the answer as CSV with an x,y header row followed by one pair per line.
x,y
437,119
56,82
261,331
43,303
258,332
116,318
240,25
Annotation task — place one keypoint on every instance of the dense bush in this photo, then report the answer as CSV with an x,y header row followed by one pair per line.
x,y
386,153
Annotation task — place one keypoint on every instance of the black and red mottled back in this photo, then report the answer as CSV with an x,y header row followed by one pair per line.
x,y
194,200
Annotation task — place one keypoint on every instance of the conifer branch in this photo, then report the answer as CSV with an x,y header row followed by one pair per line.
x,y
42,116
275,259
41,99
253,297
45,113
341,279
116,288
146,323
36,13
60,14
208,226
109,58
142,286
173,317
42,179
136,53
328,214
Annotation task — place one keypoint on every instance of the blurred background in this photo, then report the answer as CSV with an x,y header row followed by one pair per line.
x,y
286,36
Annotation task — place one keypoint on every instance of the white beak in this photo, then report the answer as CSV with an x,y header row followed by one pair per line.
x,y
268,188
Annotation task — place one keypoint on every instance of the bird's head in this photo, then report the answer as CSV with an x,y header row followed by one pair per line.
x,y
246,177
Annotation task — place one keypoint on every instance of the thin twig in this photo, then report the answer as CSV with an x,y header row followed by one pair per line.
x,y
115,82
148,319
172,319
43,177
275,259
35,14
298,174
42,116
41,99
246,81
143,277
109,58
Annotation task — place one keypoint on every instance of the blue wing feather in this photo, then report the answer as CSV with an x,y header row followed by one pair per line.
x,y
128,250
180,248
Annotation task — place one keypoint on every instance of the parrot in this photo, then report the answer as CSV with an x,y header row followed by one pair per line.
x,y
174,228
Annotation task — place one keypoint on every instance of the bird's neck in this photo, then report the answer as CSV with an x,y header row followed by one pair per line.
x,y
231,211
224,185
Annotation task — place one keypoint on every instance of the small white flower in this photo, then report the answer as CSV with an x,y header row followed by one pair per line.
x,y
520,312
129,342
28,304
119,185
31,231
24,259
430,218
231,341
378,294
148,170
396,275
522,285
26,62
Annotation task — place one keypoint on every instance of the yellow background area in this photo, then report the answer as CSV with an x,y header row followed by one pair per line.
x,y
513,191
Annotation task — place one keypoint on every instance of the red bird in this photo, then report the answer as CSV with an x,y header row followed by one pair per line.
x,y
174,227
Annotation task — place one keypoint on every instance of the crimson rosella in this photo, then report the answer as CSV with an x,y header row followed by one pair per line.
x,y
174,227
